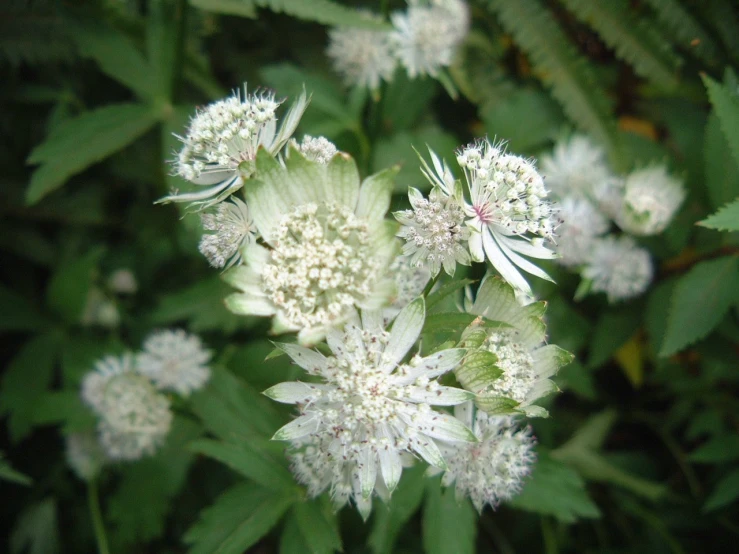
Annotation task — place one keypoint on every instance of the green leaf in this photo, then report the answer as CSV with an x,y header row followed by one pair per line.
x,y
162,44
555,489
720,449
318,526
36,531
82,141
70,285
478,371
721,171
17,313
9,474
684,30
449,526
445,290
248,460
65,408
237,520
726,106
612,330
292,540
701,299
726,219
725,492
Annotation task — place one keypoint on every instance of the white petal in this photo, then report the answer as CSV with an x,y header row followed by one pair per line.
x,y
427,449
502,264
433,365
256,256
406,329
522,262
548,359
464,412
364,506
343,179
297,428
367,472
291,392
245,304
443,396
372,319
528,249
478,255
310,360
374,195
390,467
540,389
448,428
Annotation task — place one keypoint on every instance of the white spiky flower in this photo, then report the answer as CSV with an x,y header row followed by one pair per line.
x,y
427,36
618,267
581,224
123,281
317,149
231,228
327,246
509,211
95,382
222,141
175,360
370,408
363,57
651,196
434,231
100,310
517,353
492,470
575,167
410,280
84,455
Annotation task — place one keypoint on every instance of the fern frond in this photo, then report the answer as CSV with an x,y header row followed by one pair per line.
x,y
558,64
630,39
33,32
685,30
326,12
723,16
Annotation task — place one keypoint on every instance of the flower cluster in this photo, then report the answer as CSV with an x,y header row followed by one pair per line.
x,y
424,40
124,392
591,197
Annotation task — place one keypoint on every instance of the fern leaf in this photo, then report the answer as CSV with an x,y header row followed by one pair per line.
x,y
630,38
722,14
326,12
33,32
559,65
686,30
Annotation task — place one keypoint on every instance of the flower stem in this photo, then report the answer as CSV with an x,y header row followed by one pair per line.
x,y
97,518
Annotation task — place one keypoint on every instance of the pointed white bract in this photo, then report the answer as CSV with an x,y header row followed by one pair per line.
x,y
619,267
651,196
175,360
434,231
84,455
222,141
427,36
231,228
576,167
369,408
494,469
363,57
581,224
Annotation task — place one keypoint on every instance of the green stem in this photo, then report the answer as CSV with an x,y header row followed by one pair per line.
x,y
97,517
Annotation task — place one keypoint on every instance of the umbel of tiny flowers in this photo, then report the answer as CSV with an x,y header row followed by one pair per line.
x,y
508,367
492,470
369,407
581,224
618,267
317,149
651,196
231,228
577,167
221,144
327,245
410,281
175,360
363,57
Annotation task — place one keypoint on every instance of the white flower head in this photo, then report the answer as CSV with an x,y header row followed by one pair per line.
x,y
317,149
95,382
327,245
434,231
135,418
370,408
222,142
175,360
231,228
618,267
410,280
84,455
363,57
123,281
100,310
509,369
427,36
581,224
575,168
492,470
509,211
651,196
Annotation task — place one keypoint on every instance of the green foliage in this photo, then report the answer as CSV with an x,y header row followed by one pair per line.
x,y
687,31
36,531
725,100
721,169
725,492
34,32
726,219
7,473
318,526
448,523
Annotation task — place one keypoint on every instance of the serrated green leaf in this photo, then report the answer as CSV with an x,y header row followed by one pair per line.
x,y
237,520
318,525
449,525
726,219
684,29
69,286
84,140
721,170
726,106
720,449
700,300
725,492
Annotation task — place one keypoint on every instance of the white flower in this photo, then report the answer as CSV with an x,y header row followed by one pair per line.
x,y
492,470
575,168
434,231
409,281
232,228
508,206
327,247
619,268
95,382
369,408
175,360
581,224
509,368
317,149
135,418
100,310
651,196
84,455
427,36
123,281
363,57
222,143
